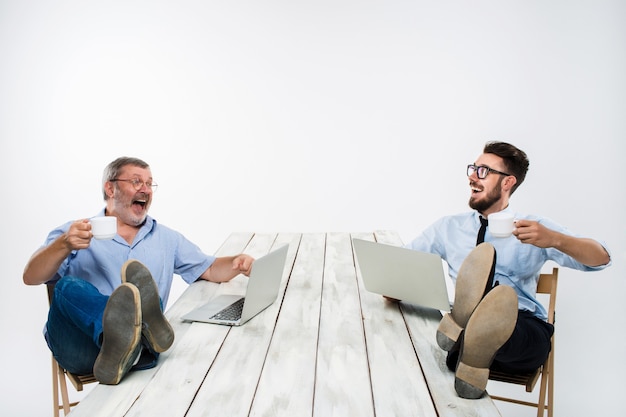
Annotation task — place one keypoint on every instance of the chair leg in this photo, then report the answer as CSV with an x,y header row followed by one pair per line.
x,y
64,395
541,403
62,386
55,388
551,387
546,388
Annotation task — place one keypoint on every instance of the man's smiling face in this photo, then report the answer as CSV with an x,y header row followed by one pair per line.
x,y
486,193
130,205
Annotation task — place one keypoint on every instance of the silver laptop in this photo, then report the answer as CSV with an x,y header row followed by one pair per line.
x,y
405,274
261,291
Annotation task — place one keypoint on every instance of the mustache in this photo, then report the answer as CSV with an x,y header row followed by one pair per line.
x,y
474,184
141,196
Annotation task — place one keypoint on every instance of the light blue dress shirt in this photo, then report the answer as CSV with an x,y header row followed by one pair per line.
x,y
518,265
164,251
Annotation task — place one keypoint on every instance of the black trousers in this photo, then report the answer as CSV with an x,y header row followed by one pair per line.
x,y
526,350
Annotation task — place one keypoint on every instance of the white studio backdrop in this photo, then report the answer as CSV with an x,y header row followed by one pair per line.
x,y
315,116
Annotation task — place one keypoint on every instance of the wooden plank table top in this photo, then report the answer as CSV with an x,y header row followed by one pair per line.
x,y
325,347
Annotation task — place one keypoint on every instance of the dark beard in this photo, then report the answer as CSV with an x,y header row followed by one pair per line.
x,y
484,204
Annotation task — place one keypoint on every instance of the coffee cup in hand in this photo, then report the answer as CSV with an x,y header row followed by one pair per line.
x,y
501,224
103,227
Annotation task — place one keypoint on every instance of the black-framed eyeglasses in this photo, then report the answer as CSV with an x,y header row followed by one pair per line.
x,y
482,171
137,183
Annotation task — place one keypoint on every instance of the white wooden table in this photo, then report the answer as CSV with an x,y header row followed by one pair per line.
x,y
326,347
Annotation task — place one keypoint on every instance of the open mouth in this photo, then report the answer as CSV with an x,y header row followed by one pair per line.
x,y
140,203
475,190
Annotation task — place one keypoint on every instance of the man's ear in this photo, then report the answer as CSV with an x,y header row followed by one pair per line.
x,y
108,189
508,183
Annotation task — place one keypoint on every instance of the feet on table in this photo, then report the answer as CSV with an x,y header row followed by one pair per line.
x,y
121,343
156,330
481,321
489,327
474,279
133,314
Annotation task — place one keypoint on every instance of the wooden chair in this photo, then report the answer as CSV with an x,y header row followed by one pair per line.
x,y
547,285
60,377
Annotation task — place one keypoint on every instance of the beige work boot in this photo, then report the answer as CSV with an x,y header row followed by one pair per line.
x,y
489,327
474,279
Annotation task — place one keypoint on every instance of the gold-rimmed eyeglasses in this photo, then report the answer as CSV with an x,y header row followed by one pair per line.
x,y
137,183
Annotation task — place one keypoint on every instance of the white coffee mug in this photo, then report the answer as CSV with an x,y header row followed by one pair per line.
x,y
103,227
501,224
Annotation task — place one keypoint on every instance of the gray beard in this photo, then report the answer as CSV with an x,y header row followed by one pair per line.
x,y
128,218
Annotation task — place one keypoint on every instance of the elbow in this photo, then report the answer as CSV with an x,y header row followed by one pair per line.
x,y
603,259
29,279
26,276
607,258
30,276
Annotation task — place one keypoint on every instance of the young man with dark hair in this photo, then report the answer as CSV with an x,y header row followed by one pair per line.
x,y
496,320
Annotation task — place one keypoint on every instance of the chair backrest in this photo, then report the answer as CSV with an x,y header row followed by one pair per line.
x,y
547,285
50,288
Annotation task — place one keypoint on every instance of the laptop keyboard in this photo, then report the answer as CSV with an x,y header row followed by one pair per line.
x,y
230,313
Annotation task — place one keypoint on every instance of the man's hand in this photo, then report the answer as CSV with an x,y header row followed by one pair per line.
x,y
534,233
243,264
226,268
586,251
44,263
78,235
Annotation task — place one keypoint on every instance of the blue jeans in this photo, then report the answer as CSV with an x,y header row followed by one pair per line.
x,y
74,327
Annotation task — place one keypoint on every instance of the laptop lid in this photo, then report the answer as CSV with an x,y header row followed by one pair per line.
x,y
405,274
261,291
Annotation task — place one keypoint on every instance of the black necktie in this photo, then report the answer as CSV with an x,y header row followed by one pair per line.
x,y
480,239
481,232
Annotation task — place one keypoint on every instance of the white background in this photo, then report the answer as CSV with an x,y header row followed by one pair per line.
x,y
315,116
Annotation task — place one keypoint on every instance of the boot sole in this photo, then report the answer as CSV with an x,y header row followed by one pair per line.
x,y
488,329
121,324
157,331
474,274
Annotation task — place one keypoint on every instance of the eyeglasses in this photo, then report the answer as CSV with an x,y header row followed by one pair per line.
x,y
137,183
482,171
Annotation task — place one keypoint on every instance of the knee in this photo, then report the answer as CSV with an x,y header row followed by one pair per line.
x,y
66,281
66,284
69,288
